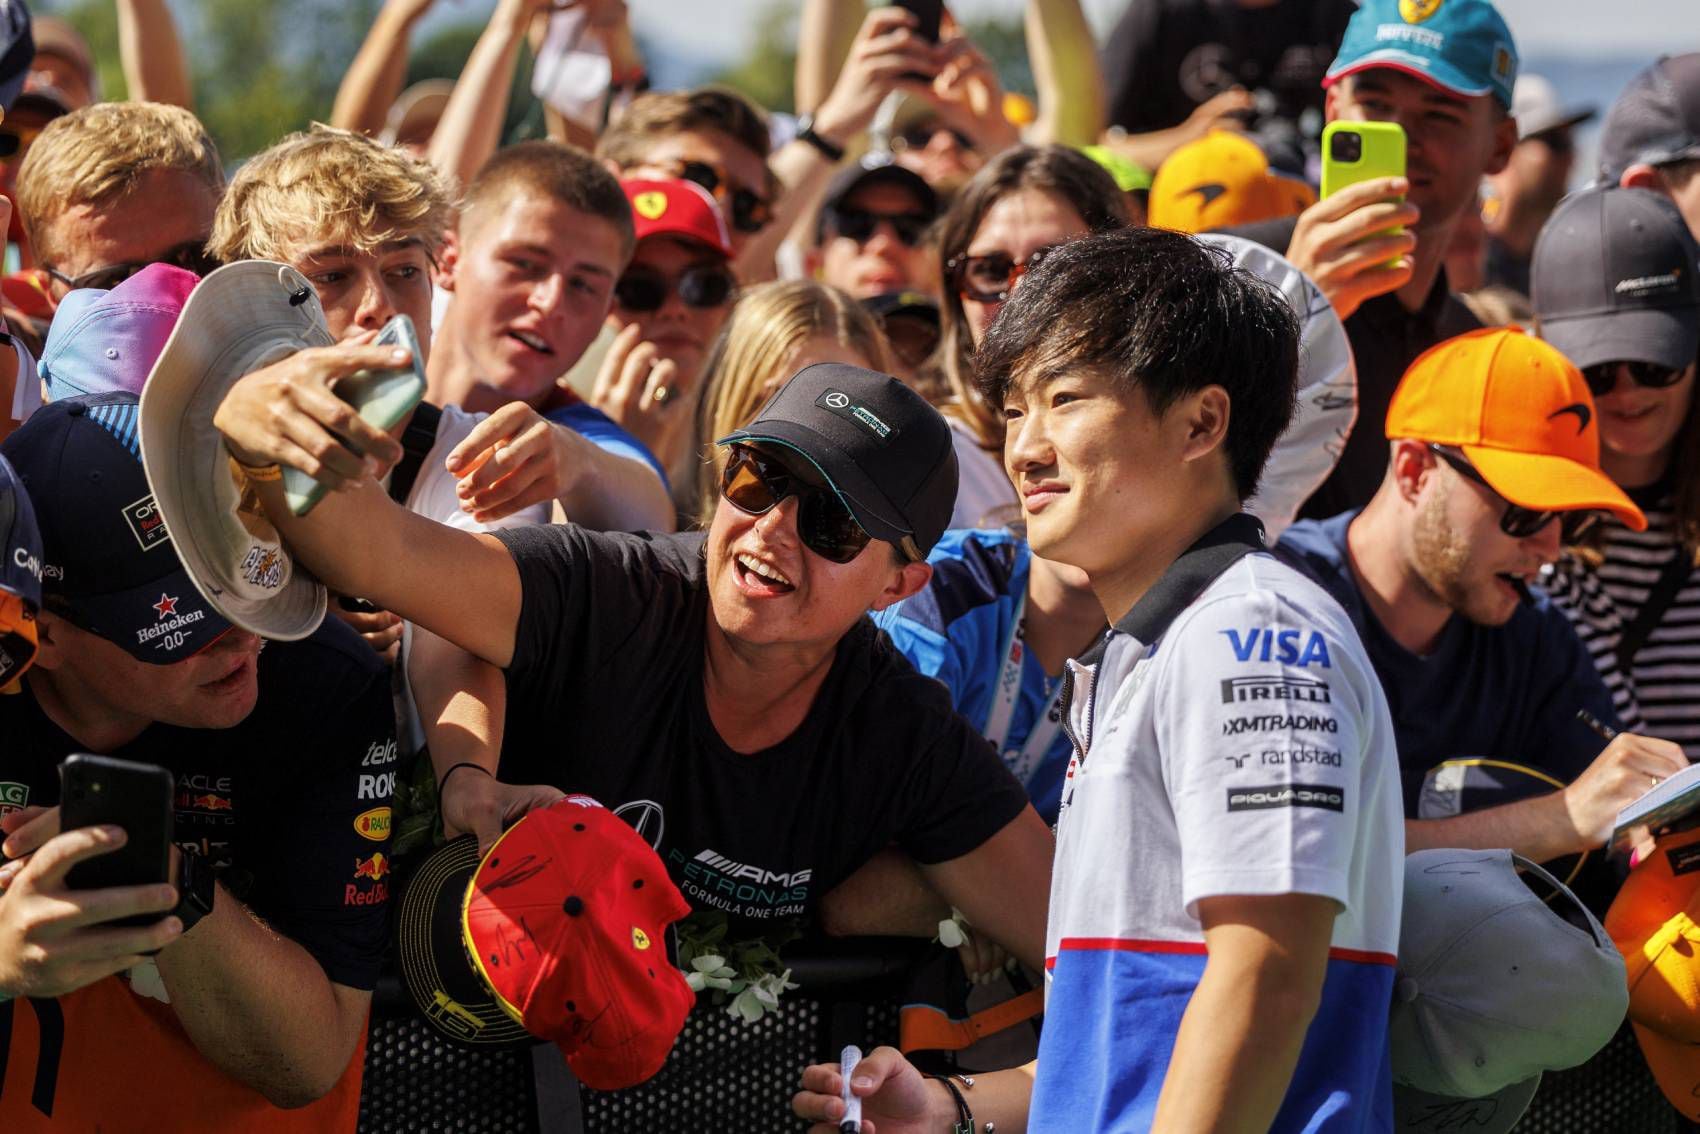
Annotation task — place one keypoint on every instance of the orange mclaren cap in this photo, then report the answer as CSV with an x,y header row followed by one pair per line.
x,y
1219,180
1521,413
1653,924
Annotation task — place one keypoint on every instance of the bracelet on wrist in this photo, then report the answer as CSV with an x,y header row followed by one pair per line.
x,y
272,471
964,1116
453,768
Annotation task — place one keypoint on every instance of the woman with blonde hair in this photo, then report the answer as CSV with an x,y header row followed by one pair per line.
x,y
774,331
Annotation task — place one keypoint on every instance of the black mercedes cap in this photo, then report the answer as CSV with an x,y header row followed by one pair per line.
x,y
1656,119
884,450
1614,279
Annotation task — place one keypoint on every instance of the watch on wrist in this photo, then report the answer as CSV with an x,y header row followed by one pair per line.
x,y
829,149
194,888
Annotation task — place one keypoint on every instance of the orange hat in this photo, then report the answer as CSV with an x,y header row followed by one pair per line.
x,y
1222,179
1653,924
1521,413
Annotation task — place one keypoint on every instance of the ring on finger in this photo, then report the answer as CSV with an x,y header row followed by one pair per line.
x,y
662,393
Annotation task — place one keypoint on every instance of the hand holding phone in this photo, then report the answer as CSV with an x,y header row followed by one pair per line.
x,y
54,939
383,398
102,791
1354,242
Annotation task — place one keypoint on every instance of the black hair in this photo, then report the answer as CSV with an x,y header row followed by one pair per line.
x,y
1159,310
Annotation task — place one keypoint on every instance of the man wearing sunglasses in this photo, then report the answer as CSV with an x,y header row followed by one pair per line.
x,y
114,187
726,683
1495,445
669,304
868,237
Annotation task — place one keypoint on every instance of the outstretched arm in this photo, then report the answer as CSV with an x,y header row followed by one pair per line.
x,y
471,126
1070,82
358,540
151,54
375,77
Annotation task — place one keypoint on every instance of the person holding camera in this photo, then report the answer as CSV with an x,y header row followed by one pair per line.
x,y
246,986
1443,70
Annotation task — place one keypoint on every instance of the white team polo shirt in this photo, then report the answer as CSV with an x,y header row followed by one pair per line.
x,y
1245,749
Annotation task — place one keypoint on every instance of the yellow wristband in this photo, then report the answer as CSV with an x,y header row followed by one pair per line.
x,y
256,472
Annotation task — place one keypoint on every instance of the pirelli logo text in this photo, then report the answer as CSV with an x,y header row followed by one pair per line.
x,y
1286,795
1240,690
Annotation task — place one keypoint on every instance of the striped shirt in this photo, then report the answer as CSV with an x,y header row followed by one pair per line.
x,y
1661,696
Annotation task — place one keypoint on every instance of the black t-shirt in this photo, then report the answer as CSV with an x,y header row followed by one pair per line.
x,y
605,697
1166,57
1385,340
292,804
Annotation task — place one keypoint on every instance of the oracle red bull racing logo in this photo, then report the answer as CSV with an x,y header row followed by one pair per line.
x,y
374,870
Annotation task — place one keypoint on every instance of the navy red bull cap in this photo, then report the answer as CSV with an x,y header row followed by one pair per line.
x,y
20,575
107,563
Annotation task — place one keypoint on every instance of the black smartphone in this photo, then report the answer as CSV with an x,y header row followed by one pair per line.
x,y
99,790
927,13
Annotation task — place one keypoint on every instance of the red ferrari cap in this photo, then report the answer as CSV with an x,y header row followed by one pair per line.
x,y
565,920
677,208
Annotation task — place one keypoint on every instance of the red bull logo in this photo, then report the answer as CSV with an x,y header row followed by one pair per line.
x,y
375,868
204,802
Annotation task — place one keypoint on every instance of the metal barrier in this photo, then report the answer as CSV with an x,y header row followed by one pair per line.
x,y
723,1075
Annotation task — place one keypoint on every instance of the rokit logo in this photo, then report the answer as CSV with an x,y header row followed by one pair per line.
x,y
1237,690
1278,722
1282,646
1286,795
379,786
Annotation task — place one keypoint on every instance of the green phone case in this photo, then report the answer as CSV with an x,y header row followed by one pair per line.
x,y
383,398
1383,146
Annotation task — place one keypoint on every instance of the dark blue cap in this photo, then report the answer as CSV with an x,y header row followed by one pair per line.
x,y
20,575
17,50
108,564
20,539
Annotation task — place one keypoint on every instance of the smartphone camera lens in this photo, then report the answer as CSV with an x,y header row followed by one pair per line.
x,y
1346,146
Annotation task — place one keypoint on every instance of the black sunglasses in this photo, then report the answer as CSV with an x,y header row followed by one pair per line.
x,y
990,278
1517,521
750,211
641,289
920,135
1602,376
755,482
191,257
860,225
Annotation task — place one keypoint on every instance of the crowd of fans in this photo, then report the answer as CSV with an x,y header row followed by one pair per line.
x,y
1045,524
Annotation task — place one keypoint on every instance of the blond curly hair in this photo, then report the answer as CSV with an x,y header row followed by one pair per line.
x,y
326,185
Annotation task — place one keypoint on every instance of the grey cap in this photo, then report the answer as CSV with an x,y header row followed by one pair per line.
x,y
1655,120
1614,274
1494,986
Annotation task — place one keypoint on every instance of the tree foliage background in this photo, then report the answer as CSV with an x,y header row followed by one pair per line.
x,y
262,68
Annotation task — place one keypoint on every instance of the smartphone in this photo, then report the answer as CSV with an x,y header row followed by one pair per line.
x,y
383,397
99,790
928,15
1362,151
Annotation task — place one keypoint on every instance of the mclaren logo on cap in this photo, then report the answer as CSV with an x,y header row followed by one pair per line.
x,y
1644,285
650,205
844,406
1208,192
1416,11
1583,415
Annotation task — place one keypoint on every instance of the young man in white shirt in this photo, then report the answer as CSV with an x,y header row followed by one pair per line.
x,y
1225,899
